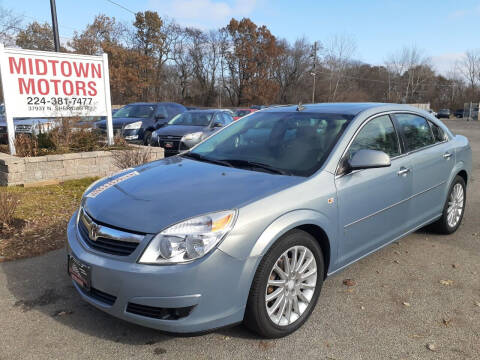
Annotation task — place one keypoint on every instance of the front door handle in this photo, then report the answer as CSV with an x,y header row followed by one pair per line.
x,y
403,171
447,155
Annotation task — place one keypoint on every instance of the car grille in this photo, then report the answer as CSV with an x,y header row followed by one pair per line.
x,y
159,313
108,239
174,140
99,296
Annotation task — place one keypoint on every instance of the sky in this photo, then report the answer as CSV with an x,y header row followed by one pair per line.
x,y
442,29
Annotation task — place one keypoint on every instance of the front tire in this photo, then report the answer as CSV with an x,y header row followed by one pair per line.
x,y
147,137
286,286
453,209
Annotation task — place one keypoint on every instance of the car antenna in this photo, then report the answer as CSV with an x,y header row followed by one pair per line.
x,y
300,107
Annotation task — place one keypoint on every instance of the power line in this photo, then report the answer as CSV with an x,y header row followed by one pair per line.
x,y
121,6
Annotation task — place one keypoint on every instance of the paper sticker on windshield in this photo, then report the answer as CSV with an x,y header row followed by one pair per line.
x,y
111,183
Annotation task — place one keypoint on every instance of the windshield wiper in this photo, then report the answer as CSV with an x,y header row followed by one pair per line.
x,y
253,164
199,157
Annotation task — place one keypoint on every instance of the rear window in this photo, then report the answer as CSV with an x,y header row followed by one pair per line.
x,y
192,119
135,111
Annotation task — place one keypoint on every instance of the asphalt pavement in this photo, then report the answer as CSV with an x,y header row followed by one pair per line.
x,y
418,298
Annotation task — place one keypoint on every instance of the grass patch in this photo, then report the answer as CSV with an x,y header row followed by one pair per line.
x,y
40,219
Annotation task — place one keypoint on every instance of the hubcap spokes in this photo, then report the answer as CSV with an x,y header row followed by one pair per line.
x,y
291,285
455,205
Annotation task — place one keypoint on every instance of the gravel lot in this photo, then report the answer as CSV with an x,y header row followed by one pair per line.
x,y
421,292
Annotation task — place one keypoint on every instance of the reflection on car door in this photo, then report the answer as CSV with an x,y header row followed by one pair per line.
x,y
373,203
432,158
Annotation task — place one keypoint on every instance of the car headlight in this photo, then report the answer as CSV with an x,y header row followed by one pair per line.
x,y
193,136
135,125
189,240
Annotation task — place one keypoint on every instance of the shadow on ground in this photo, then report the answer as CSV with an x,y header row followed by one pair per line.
x,y
42,284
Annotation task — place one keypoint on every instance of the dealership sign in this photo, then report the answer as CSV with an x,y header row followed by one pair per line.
x,y
51,84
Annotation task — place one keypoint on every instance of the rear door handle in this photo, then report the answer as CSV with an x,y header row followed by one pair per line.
x,y
403,171
447,155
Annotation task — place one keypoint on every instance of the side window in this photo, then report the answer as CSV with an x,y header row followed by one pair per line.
x,y
416,131
173,109
218,119
161,110
438,132
377,134
227,119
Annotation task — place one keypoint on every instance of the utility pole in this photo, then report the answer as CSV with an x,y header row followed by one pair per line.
x,y
56,39
314,72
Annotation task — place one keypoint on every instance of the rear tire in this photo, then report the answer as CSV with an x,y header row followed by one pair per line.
x,y
286,286
453,209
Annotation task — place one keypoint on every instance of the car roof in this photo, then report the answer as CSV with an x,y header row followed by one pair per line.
x,y
351,109
328,108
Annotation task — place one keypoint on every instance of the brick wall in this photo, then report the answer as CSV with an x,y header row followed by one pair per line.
x,y
56,168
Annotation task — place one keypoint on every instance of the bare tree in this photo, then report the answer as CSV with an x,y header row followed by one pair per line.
x,y
469,68
409,69
292,70
10,25
338,55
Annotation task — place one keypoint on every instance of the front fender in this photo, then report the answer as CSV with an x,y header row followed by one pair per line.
x,y
279,227
289,221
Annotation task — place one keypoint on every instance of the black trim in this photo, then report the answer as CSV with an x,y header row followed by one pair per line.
x,y
158,312
100,296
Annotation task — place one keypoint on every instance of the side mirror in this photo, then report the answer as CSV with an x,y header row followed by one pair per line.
x,y
368,159
217,124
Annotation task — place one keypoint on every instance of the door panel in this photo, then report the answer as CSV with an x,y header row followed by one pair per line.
x,y
373,203
432,160
430,174
373,208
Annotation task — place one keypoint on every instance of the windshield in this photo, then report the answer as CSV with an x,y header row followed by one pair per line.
x,y
191,118
296,143
135,111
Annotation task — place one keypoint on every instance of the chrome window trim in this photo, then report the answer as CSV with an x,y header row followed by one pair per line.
x,y
107,232
337,175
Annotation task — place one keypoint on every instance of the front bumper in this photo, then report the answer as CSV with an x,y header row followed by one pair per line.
x,y
216,286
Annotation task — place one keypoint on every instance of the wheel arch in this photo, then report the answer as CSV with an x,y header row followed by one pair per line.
x,y
319,234
314,223
463,174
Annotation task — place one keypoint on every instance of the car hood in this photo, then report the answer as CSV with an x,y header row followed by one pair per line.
x,y
118,122
179,130
167,191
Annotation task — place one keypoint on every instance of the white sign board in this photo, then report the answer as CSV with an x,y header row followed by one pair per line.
x,y
51,84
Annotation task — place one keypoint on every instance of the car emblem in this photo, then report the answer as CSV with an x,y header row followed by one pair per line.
x,y
93,233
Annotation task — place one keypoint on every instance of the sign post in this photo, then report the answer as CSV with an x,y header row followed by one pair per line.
x,y
8,115
51,84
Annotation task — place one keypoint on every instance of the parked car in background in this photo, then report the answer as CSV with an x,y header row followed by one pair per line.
x,y
247,225
432,112
136,122
189,128
443,113
26,126
239,113
458,113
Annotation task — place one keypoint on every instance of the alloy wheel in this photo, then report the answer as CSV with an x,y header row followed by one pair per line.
x,y
291,285
455,205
